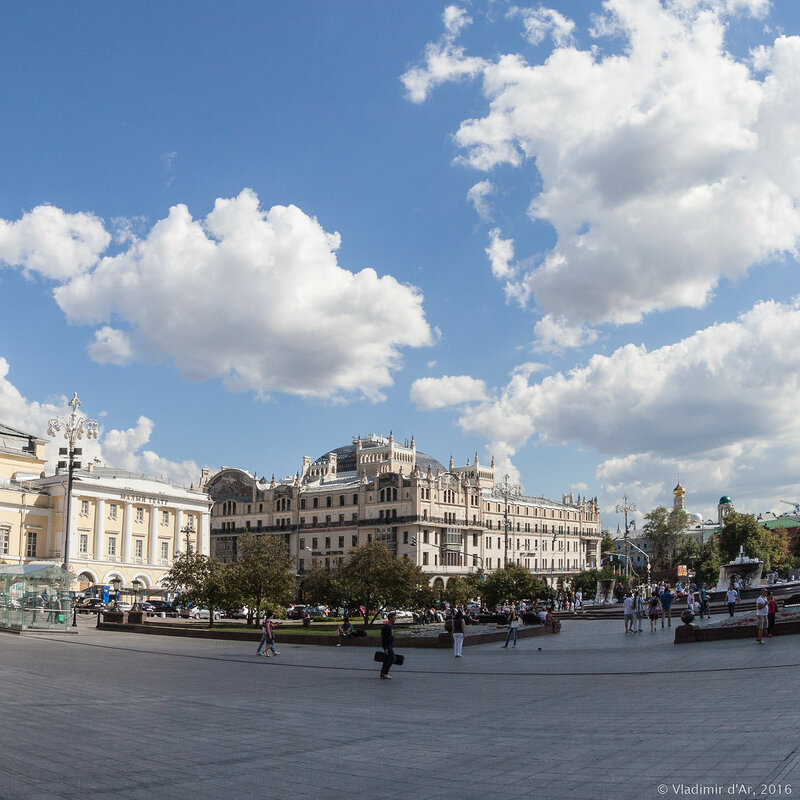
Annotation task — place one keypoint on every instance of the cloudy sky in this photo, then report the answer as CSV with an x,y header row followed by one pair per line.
x,y
564,235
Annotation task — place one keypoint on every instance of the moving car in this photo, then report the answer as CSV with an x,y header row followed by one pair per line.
x,y
90,605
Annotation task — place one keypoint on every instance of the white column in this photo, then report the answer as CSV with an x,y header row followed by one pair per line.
x,y
127,536
204,534
73,528
154,554
178,544
99,529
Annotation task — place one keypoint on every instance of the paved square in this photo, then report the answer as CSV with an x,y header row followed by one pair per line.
x,y
596,713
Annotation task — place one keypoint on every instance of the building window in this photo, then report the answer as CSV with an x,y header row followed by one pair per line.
x,y
424,559
355,540
165,551
425,538
33,539
302,544
4,536
112,511
138,548
83,544
474,539
341,499
302,503
84,508
355,517
140,515
165,519
314,543
355,499
329,501
316,502
341,542
112,546
405,537
327,542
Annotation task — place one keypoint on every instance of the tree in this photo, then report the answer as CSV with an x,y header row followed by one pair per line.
x,y
708,570
663,531
459,591
743,530
262,573
201,580
608,546
513,583
371,579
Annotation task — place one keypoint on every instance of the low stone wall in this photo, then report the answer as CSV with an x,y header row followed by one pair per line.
x,y
685,634
401,642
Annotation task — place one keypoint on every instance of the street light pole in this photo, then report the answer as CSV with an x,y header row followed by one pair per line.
x,y
74,428
506,491
624,509
188,530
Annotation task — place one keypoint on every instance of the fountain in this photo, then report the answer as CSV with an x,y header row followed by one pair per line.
x,y
605,592
748,569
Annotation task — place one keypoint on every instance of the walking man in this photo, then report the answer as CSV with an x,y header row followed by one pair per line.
x,y
627,609
579,601
666,606
733,598
762,610
387,643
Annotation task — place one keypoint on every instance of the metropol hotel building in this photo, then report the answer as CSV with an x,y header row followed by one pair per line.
x,y
449,520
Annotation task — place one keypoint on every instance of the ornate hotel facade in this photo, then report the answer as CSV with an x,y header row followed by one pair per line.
x,y
123,525
450,521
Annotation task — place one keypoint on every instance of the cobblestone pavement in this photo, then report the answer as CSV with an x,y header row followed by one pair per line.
x,y
595,713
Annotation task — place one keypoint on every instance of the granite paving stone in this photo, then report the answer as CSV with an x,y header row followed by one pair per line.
x,y
593,714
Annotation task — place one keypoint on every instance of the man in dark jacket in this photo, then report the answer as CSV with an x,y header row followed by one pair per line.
x,y
387,643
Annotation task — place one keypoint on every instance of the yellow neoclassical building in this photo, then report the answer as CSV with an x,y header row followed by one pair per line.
x,y
123,525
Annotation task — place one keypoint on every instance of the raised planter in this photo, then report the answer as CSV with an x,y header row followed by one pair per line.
x,y
116,617
401,642
685,634
137,617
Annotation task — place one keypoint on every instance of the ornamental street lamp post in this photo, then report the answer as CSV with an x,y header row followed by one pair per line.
x,y
624,509
74,428
504,492
188,531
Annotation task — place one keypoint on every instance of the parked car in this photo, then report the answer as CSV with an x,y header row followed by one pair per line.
x,y
241,613
91,605
122,605
317,612
199,613
295,612
161,607
147,607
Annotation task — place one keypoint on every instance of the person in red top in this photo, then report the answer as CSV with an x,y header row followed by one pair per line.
x,y
267,637
772,608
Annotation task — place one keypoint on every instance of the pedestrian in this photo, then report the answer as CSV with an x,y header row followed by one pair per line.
x,y
666,606
638,610
267,637
627,610
704,606
772,609
652,612
459,630
762,618
732,596
579,601
387,643
513,627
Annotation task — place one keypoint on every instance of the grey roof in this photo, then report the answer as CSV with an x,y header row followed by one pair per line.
x,y
346,458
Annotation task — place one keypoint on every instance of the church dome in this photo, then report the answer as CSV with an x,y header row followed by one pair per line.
x,y
725,500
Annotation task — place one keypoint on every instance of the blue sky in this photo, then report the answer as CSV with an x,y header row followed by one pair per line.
x,y
566,238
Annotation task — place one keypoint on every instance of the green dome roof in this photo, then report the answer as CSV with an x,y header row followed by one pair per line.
x,y
724,500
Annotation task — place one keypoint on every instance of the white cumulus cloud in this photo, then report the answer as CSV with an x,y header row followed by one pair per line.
x,y
666,167
253,297
52,243
449,390
114,448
